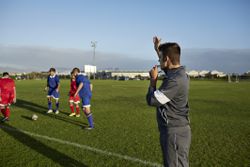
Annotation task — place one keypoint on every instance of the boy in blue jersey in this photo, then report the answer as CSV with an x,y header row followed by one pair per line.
x,y
53,84
84,90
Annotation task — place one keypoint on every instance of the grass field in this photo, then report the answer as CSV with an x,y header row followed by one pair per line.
x,y
125,125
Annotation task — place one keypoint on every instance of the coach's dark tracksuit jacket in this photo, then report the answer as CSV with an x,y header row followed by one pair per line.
x,y
171,102
171,99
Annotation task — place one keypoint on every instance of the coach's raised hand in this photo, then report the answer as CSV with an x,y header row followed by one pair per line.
x,y
157,43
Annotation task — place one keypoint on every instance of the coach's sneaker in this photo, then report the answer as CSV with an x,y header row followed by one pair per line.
x,y
5,119
77,115
49,111
72,114
57,112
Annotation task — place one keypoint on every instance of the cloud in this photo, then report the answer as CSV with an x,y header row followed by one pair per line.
x,y
227,60
31,58
42,58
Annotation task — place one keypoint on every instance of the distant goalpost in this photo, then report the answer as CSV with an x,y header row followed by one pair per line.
x,y
229,78
237,80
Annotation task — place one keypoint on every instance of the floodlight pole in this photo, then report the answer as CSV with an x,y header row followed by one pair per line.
x,y
93,45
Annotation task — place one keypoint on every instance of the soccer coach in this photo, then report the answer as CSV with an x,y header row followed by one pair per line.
x,y
171,102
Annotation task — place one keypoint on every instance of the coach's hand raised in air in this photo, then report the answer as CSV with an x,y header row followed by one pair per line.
x,y
157,43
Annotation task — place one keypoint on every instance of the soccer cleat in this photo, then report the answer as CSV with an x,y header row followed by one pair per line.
x,y
88,128
50,111
72,114
57,112
5,119
77,115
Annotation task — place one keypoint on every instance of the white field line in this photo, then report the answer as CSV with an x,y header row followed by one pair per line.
x,y
85,147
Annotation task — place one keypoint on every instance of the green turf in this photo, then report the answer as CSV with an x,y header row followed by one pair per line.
x,y
124,124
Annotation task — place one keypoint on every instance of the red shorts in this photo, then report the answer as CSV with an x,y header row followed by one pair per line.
x,y
75,100
6,99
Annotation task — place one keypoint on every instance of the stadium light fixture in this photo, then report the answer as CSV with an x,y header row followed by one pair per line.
x,y
93,45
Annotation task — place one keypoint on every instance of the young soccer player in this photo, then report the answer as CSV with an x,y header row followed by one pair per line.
x,y
53,85
72,99
7,95
84,90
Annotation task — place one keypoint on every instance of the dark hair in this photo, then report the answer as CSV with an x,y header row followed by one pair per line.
x,y
52,70
171,50
5,74
76,69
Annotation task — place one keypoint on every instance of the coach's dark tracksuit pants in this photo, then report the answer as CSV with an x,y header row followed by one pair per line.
x,y
175,143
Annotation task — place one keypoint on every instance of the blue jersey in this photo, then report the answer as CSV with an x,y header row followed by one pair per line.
x,y
53,82
85,91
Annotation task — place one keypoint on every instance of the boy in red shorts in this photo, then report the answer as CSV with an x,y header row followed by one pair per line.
x,y
73,100
7,95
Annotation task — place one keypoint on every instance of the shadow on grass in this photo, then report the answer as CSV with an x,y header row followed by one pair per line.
x,y
26,117
42,110
41,148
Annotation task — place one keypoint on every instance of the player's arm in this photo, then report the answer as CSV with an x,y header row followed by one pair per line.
x,y
0,95
14,90
78,89
157,43
91,87
58,84
47,86
58,87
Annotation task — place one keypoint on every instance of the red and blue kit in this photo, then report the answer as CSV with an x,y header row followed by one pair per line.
x,y
73,89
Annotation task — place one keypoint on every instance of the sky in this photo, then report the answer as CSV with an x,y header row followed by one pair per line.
x,y
125,27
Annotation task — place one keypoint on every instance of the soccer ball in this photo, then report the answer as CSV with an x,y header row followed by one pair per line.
x,y
34,117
